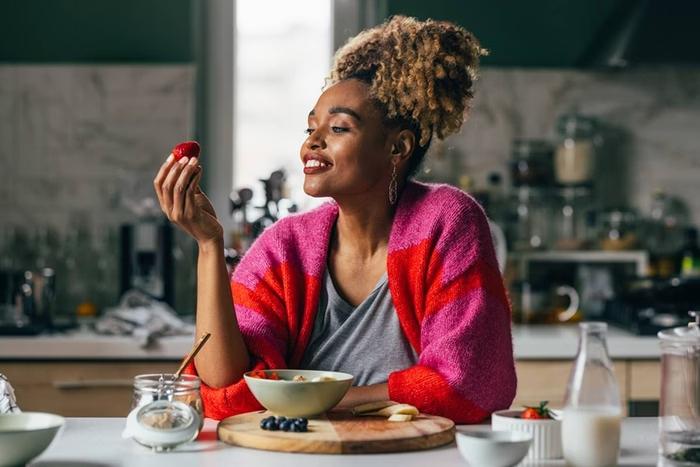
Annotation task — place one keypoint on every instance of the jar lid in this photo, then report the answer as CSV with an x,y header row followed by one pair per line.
x,y
689,334
575,125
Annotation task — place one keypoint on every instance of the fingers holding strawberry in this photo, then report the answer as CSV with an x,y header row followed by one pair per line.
x,y
180,197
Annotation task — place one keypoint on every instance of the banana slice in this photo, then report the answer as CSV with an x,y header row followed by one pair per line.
x,y
401,417
371,407
403,409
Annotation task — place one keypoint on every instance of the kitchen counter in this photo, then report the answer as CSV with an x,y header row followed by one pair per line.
x,y
530,343
98,442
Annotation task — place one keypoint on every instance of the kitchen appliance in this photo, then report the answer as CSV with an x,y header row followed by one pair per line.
x,y
679,406
647,306
147,262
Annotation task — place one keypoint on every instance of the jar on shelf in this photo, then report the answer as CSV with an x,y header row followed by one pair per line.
x,y
531,163
618,230
530,220
571,218
574,159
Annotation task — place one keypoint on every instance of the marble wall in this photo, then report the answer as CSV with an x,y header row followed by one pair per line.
x,y
85,141
651,119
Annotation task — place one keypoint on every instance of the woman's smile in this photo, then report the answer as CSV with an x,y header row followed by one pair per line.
x,y
314,163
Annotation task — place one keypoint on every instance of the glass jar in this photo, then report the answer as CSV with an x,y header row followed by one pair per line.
x,y
571,218
166,412
531,163
592,412
679,405
530,220
618,230
574,158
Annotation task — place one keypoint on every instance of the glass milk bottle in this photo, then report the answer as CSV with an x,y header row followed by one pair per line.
x,y
592,412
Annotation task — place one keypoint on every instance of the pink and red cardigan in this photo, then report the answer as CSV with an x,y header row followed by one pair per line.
x,y
445,285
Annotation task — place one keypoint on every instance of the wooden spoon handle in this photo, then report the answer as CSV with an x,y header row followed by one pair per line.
x,y
198,346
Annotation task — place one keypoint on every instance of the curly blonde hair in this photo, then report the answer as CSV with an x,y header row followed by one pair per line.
x,y
421,73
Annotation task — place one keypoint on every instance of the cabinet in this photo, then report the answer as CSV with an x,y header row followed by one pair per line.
x,y
639,381
78,389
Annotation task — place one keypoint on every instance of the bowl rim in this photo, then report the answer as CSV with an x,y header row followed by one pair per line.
x,y
508,414
340,376
59,422
497,436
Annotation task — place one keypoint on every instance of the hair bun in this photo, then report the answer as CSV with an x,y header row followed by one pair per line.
x,y
422,71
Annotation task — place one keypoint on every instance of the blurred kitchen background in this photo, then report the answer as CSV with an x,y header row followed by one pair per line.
x,y
582,145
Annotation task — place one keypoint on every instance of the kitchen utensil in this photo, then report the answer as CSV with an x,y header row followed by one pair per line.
x,y
195,350
339,432
299,398
546,433
486,448
679,406
23,436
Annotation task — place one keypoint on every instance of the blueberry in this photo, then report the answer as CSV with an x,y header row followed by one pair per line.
x,y
302,421
281,419
286,425
262,423
297,428
271,425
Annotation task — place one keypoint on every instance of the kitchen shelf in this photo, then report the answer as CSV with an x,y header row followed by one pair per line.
x,y
639,257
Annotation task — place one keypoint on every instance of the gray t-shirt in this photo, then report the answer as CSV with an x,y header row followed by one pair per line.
x,y
366,341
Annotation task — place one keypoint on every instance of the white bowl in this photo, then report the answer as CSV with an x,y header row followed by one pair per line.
x,y
299,398
486,448
25,435
546,433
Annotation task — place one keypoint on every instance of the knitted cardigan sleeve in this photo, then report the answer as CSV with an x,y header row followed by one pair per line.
x,y
258,301
465,369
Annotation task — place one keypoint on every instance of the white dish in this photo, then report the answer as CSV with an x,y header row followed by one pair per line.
x,y
299,398
25,435
546,433
486,448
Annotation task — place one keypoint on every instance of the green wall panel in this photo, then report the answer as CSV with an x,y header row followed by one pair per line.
x,y
75,31
537,33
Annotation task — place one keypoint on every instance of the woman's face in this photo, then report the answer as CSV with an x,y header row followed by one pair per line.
x,y
348,150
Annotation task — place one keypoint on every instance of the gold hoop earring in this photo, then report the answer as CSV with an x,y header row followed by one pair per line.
x,y
393,184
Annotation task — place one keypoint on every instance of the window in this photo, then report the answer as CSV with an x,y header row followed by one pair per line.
x,y
283,54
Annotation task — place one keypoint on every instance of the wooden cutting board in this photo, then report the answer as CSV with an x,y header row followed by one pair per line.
x,y
340,433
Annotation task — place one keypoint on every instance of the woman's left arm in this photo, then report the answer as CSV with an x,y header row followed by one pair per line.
x,y
465,369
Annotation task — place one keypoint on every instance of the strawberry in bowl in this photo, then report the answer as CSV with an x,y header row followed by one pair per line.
x,y
539,420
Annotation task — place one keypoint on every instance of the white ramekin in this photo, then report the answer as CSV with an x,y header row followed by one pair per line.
x,y
546,434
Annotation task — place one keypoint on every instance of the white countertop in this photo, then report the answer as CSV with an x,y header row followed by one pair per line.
x,y
530,342
98,442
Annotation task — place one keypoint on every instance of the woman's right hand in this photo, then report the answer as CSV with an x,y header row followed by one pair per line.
x,y
184,203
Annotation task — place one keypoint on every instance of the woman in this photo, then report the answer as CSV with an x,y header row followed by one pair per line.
x,y
394,281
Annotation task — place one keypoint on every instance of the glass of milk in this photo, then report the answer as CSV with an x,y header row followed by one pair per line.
x,y
592,412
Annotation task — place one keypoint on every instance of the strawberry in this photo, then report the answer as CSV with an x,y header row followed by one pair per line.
x,y
537,413
187,149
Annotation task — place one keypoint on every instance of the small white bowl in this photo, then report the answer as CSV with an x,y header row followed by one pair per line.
x,y
486,448
299,398
25,435
546,433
